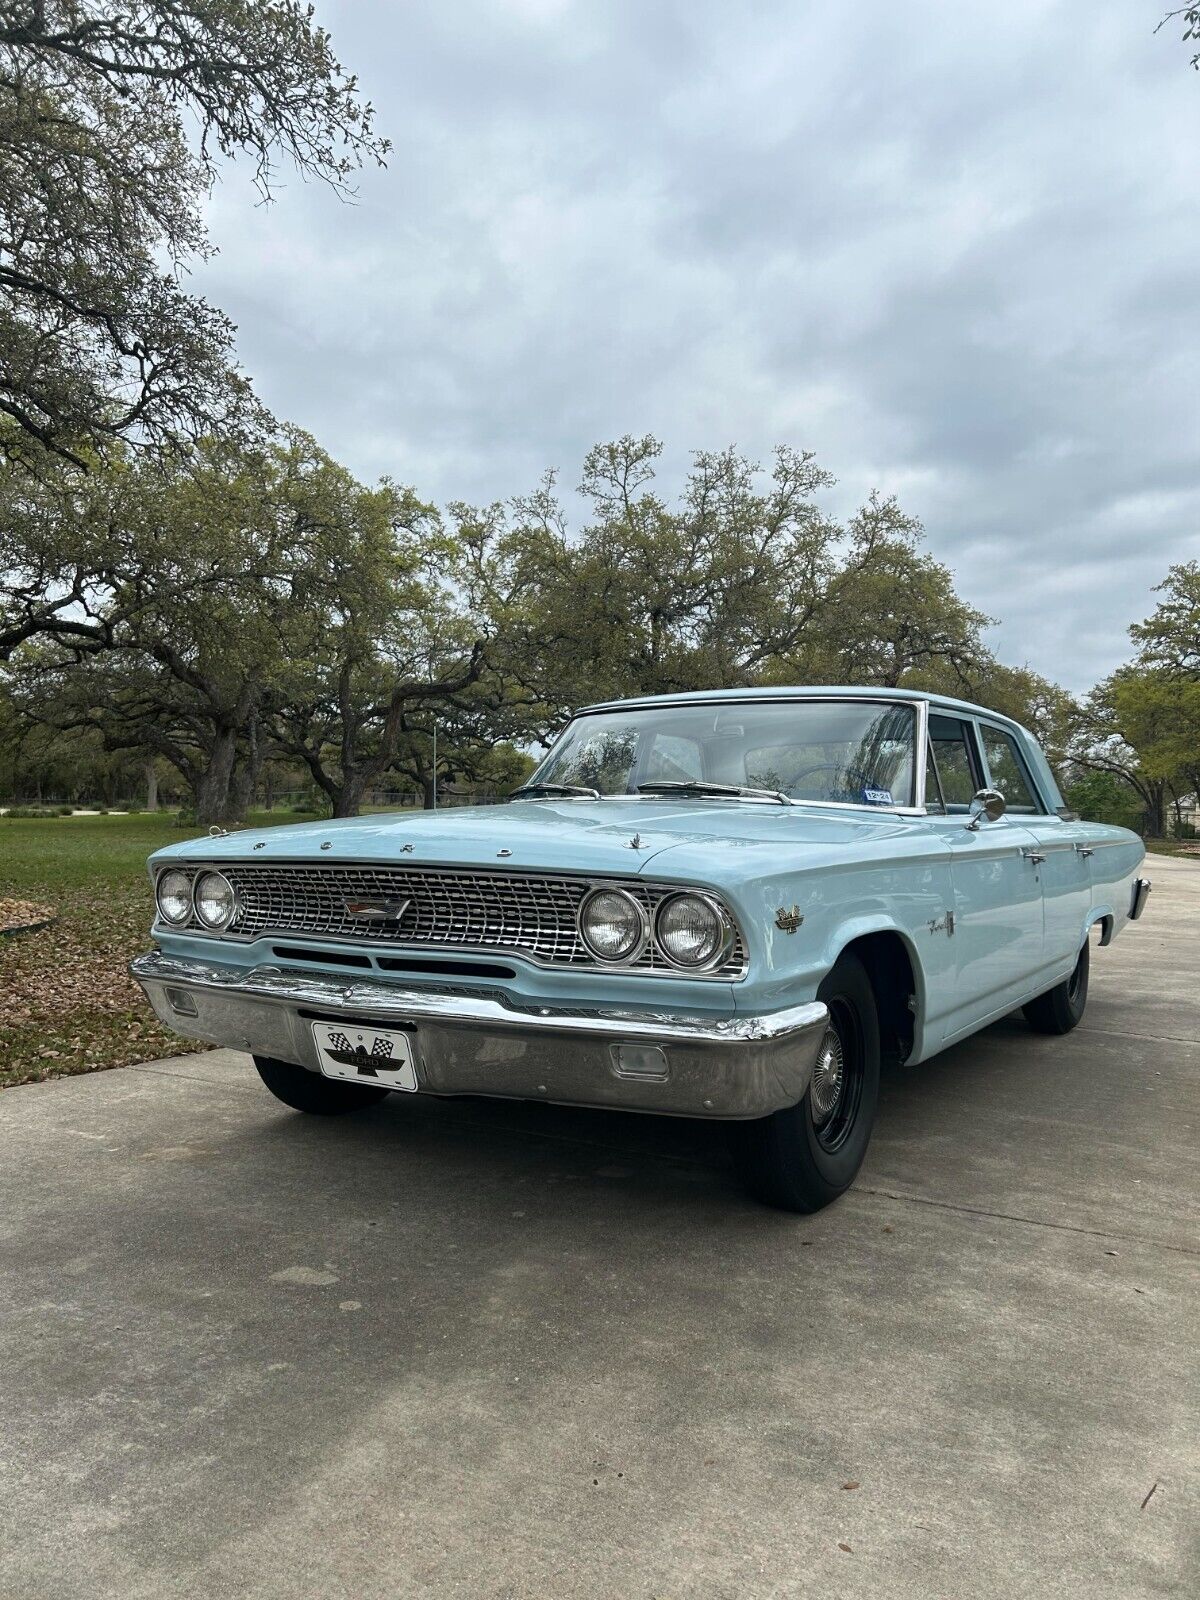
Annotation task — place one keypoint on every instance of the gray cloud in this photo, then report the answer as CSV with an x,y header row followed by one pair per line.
x,y
955,252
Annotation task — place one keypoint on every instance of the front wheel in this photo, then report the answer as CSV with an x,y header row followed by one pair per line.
x,y
806,1155
1060,1009
309,1091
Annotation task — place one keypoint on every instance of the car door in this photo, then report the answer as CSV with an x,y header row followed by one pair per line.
x,y
997,929
1060,857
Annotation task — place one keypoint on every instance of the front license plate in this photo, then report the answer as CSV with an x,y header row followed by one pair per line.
x,y
365,1055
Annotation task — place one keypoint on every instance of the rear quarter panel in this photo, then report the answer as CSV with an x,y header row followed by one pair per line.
x,y
1116,862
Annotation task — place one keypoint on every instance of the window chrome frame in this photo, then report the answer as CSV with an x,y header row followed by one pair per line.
x,y
921,736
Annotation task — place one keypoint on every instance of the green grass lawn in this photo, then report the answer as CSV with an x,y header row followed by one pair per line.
x,y
1172,847
67,1003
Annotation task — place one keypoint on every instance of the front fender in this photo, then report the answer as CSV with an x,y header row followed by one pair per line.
x,y
837,905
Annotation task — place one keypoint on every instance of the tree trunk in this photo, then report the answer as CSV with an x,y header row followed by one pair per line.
x,y
151,786
427,790
212,790
349,797
1157,813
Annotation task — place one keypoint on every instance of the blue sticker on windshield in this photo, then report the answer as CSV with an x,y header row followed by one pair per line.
x,y
878,797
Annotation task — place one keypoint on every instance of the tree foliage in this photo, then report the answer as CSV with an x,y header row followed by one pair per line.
x,y
1141,725
100,202
1190,18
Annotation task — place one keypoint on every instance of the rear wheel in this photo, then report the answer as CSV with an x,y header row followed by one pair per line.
x,y
310,1091
1061,1008
803,1157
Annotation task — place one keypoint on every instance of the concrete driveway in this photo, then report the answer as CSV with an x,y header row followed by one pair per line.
x,y
483,1350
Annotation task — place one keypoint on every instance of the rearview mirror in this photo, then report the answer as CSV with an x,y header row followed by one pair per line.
x,y
989,804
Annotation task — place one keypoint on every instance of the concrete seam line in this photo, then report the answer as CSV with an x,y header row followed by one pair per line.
x,y
1154,1038
1029,1222
188,1077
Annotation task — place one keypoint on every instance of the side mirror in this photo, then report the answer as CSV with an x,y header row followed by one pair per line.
x,y
989,803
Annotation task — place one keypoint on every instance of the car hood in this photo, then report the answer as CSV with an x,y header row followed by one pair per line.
x,y
695,840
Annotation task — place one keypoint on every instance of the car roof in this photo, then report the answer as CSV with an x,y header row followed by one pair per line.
x,y
807,692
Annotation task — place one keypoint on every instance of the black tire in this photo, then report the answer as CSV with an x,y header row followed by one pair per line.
x,y
801,1158
310,1091
1061,1008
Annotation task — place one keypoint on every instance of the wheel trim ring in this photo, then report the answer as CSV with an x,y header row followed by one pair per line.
x,y
833,1126
828,1076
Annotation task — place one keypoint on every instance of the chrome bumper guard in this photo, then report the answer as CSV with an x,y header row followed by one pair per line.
x,y
1137,901
479,1042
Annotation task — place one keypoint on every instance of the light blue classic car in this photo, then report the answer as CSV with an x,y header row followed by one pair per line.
x,y
734,905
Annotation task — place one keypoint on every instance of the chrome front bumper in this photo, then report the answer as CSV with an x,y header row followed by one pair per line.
x,y
478,1042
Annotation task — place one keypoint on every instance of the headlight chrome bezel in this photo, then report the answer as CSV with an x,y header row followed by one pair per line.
x,y
201,920
163,914
641,917
726,930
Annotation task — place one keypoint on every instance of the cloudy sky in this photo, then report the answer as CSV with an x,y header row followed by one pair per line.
x,y
953,249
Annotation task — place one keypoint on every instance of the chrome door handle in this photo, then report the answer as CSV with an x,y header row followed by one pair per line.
x,y
1033,856
1086,849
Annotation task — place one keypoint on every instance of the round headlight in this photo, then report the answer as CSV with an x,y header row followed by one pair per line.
x,y
214,900
613,924
692,930
173,892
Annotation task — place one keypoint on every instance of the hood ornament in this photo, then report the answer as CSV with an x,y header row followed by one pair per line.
x,y
789,920
637,843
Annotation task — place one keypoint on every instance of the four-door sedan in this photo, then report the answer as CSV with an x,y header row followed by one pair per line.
x,y
733,905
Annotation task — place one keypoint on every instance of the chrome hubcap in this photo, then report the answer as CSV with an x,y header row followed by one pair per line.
x,y
828,1077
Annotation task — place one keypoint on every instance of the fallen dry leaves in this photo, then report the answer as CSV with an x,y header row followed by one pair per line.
x,y
18,914
67,1002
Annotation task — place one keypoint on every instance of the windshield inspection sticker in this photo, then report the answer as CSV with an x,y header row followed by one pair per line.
x,y
877,797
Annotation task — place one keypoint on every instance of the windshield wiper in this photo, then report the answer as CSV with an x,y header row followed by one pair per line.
x,y
698,786
563,791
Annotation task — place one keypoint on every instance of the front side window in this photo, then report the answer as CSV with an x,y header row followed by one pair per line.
x,y
1007,768
954,776
844,752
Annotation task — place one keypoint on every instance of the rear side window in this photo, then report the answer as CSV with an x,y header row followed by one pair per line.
x,y
1008,771
953,776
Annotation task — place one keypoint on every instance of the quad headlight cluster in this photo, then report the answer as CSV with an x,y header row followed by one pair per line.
x,y
209,899
693,931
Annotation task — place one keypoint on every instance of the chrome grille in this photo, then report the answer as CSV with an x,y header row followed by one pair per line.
x,y
448,908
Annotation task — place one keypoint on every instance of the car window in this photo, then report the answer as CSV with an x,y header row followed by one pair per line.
x,y
845,752
953,777
1007,768
672,758
603,759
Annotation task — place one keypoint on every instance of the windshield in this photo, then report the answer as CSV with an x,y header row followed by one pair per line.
x,y
849,752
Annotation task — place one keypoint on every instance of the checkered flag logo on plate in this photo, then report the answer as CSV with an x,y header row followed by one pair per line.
x,y
341,1048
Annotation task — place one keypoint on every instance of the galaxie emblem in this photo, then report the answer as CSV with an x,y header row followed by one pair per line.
x,y
789,921
377,910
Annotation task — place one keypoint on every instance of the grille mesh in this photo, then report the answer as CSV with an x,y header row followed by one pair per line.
x,y
448,908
